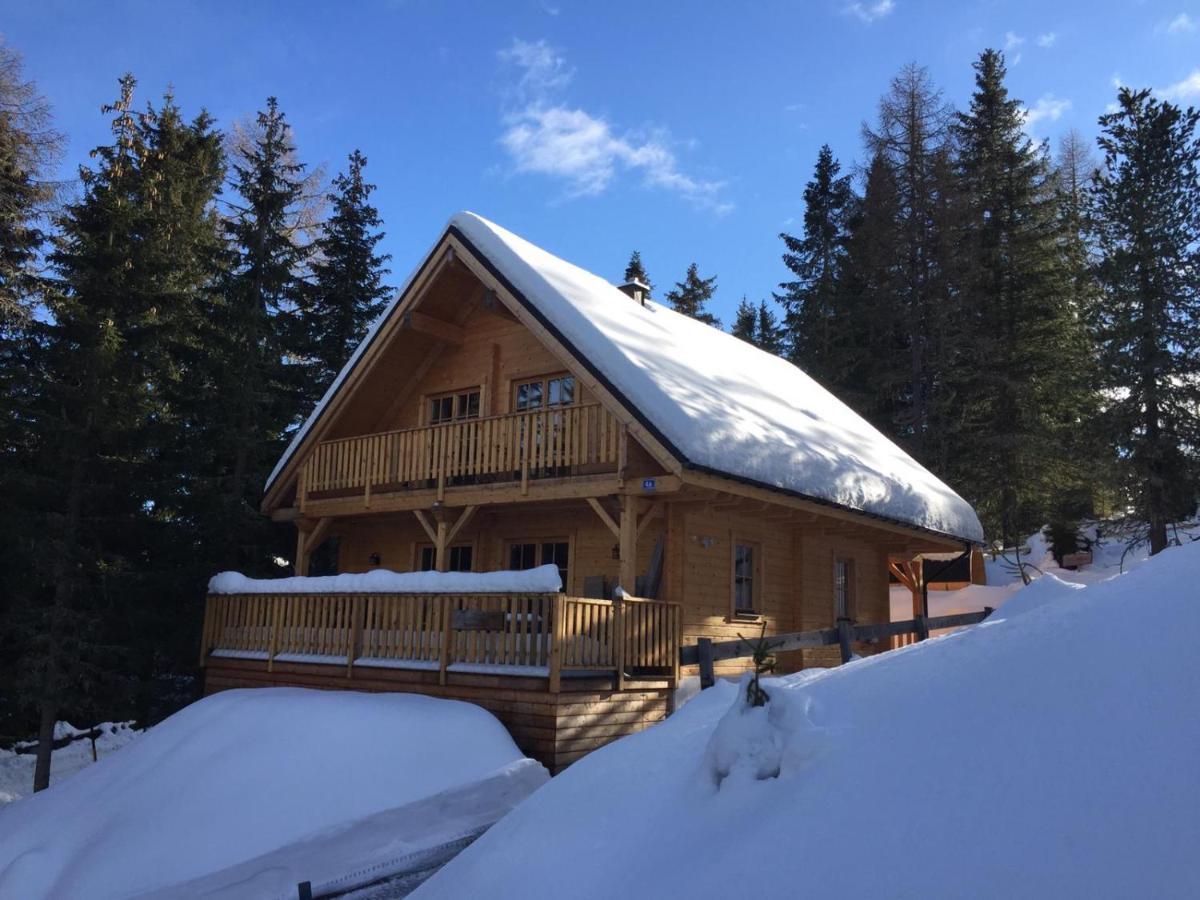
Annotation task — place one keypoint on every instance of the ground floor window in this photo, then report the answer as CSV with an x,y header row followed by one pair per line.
x,y
529,554
745,579
461,558
843,588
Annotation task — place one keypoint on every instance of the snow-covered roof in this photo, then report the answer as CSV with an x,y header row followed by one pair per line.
x,y
716,402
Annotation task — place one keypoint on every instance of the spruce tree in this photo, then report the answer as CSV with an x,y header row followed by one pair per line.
x,y
911,137
348,290
814,319
635,271
252,387
691,296
1022,345
745,322
1146,205
84,469
769,333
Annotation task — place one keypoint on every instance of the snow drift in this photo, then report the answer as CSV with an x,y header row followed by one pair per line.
x,y
540,580
1048,752
232,782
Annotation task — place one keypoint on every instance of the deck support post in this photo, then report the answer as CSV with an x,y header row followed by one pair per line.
x,y
627,545
300,565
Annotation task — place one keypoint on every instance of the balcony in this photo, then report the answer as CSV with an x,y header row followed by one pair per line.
x,y
549,636
516,448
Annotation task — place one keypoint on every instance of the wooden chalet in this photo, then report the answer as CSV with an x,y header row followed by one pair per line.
x,y
510,410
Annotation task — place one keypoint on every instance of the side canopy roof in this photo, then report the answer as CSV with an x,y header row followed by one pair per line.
x,y
717,403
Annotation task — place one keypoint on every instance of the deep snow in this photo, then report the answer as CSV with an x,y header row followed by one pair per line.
x,y
1048,752
723,403
16,769
539,580
239,776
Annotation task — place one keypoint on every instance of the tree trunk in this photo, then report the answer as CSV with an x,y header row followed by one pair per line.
x,y
41,769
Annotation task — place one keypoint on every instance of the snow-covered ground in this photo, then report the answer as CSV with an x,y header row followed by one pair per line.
x,y
247,793
16,769
1048,752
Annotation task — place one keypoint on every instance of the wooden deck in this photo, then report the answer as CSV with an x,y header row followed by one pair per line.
x,y
565,674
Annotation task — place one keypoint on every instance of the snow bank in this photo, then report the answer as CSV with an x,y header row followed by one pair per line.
x,y
1049,752
541,580
243,774
16,769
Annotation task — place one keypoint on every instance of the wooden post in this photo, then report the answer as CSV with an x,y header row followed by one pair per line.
x,y
276,604
441,554
300,565
558,634
922,628
619,640
628,544
447,634
704,650
844,630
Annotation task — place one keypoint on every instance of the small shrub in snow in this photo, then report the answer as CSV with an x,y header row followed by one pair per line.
x,y
764,664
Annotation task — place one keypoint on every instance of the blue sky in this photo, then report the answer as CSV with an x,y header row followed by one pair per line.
x,y
684,130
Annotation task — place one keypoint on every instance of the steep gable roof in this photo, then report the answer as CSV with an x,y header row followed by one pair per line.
x,y
717,403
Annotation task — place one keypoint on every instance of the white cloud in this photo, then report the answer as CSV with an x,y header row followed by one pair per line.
x,y
546,136
869,12
1182,91
1012,40
1047,109
1182,24
1047,40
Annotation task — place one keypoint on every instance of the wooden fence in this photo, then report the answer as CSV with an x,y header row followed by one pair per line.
x,y
704,653
515,446
515,634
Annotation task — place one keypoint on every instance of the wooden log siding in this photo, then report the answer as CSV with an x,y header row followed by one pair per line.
x,y
513,445
550,632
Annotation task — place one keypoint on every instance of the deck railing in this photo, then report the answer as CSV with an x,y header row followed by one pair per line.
x,y
514,447
539,635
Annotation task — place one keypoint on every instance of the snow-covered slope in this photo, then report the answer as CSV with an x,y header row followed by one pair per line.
x,y
244,775
721,403
16,769
1050,752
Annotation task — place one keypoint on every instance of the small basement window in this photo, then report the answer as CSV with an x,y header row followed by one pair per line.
x,y
746,586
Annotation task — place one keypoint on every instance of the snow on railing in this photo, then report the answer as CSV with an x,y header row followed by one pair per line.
x,y
540,580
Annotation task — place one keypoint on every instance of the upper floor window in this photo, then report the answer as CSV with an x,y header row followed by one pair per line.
x,y
745,579
454,407
539,393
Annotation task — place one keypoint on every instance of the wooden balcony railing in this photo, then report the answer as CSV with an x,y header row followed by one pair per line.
x,y
540,635
513,447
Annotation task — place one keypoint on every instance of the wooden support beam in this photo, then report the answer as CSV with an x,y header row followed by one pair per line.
x,y
460,523
605,517
300,563
426,526
627,542
446,332
655,510
441,542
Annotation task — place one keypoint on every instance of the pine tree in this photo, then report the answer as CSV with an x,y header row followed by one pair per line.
x,y
252,387
29,147
911,138
348,288
867,376
769,333
745,322
84,468
635,271
814,320
1022,345
1146,203
691,296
